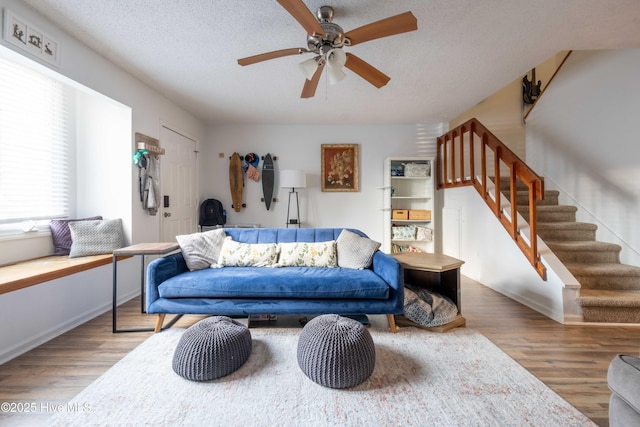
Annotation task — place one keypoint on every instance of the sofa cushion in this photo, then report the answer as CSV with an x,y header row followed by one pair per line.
x,y
284,235
236,254
307,254
290,282
201,250
355,251
623,378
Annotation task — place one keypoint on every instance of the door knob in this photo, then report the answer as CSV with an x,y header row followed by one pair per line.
x,y
167,214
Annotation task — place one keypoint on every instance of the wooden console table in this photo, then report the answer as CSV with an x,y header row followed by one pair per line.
x,y
436,272
129,251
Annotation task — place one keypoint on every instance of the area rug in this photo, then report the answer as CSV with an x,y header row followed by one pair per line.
x,y
420,378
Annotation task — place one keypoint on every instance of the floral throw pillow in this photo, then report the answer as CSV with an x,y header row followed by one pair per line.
x,y
308,254
236,254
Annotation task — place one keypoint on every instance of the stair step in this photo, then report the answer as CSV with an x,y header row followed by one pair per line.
x,y
505,183
606,276
558,213
585,251
522,198
605,306
610,291
566,230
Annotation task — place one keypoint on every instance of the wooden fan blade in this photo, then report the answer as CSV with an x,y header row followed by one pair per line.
x,y
270,55
366,71
310,86
303,15
386,27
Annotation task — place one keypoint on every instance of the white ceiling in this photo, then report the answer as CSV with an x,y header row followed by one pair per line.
x,y
463,51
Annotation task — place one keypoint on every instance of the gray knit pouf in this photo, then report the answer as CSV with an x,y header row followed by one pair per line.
x,y
212,348
336,351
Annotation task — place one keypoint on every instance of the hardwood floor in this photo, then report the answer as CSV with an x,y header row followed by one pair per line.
x,y
572,360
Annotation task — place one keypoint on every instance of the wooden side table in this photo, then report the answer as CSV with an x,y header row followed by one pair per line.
x,y
129,251
436,272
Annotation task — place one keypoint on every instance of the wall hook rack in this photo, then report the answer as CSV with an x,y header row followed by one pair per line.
x,y
152,145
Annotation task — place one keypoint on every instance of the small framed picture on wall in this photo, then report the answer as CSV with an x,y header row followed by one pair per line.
x,y
340,167
25,36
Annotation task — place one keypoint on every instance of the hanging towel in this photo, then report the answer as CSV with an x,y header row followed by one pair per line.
x,y
150,197
151,186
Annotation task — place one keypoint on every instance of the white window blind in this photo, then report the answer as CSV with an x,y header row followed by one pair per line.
x,y
35,158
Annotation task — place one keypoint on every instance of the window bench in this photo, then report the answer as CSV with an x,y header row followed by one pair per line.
x,y
34,271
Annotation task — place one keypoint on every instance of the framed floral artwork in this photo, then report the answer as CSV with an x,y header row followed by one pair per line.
x,y
340,167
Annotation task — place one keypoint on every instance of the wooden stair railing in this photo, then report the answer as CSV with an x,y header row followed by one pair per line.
x,y
456,167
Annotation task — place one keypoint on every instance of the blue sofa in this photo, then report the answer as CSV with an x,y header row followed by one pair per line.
x,y
242,291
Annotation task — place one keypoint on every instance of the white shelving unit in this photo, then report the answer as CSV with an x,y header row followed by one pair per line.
x,y
413,195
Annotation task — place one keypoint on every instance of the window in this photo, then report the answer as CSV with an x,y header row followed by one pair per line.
x,y
35,150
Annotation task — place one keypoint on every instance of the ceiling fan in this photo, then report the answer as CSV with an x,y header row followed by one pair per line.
x,y
326,40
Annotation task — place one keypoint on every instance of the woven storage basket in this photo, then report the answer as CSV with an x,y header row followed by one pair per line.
x,y
419,214
417,169
399,214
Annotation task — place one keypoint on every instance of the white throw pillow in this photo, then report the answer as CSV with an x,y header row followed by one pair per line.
x,y
201,250
355,251
308,254
236,254
95,237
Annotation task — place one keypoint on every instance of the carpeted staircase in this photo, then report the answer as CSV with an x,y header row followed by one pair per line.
x,y
610,291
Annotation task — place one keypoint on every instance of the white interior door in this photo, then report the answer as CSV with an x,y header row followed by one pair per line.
x,y
179,203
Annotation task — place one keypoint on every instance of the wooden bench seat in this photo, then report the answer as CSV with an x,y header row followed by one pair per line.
x,y
32,272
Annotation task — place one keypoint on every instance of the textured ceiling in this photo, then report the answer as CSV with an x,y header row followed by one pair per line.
x,y
463,51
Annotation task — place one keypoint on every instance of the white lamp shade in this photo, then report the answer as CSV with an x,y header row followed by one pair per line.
x,y
335,74
337,57
293,179
336,60
309,67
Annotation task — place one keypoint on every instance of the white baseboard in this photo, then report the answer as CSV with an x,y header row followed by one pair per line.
x,y
532,304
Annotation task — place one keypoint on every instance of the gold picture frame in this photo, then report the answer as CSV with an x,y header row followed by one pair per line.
x,y
340,171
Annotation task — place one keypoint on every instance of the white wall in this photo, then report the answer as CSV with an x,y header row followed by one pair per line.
x,y
148,109
298,147
492,258
103,185
502,112
583,138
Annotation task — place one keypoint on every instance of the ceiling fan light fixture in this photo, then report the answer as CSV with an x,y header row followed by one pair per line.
x,y
336,75
336,58
309,67
326,39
